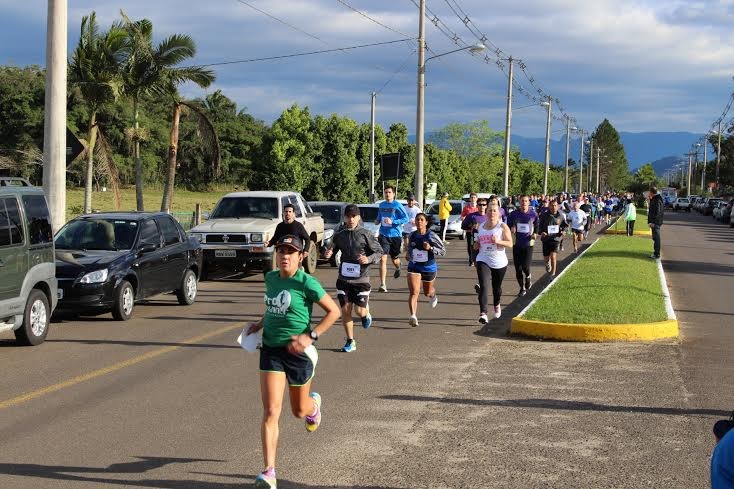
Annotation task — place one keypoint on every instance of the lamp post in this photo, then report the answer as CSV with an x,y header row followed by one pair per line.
x,y
508,124
718,156
568,143
547,105
695,167
419,137
703,172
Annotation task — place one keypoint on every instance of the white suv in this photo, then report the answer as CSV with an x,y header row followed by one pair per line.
x,y
682,203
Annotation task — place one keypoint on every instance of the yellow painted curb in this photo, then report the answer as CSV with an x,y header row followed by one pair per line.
x,y
595,332
636,233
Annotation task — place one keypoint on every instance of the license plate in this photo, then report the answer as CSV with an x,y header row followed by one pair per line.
x,y
60,294
225,253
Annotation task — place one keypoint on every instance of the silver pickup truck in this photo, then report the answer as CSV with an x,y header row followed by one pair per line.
x,y
236,234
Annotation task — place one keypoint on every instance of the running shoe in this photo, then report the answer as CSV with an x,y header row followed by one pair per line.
x,y
655,257
397,273
413,321
483,318
497,311
266,479
528,282
434,301
477,288
548,267
382,288
367,321
349,346
313,421
522,293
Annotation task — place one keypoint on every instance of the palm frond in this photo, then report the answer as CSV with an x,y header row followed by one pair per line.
x,y
208,135
175,49
103,154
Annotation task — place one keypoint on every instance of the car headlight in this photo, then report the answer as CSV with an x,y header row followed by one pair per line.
x,y
198,237
96,277
256,238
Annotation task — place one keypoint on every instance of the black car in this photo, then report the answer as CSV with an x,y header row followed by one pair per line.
x,y
108,261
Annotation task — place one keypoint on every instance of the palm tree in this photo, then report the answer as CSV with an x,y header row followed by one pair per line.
x,y
152,71
94,70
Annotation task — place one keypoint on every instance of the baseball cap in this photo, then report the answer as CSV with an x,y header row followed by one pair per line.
x,y
410,197
291,241
351,210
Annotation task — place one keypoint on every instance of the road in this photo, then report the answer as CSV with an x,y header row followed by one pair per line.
x,y
169,400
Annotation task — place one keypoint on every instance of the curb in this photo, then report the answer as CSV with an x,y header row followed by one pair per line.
x,y
636,233
600,332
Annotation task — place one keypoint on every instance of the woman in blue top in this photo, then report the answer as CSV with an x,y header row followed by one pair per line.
x,y
423,247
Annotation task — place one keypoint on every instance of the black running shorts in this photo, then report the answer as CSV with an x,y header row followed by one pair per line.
x,y
550,246
390,246
354,293
298,369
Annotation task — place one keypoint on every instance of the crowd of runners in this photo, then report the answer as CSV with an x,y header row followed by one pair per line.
x,y
288,355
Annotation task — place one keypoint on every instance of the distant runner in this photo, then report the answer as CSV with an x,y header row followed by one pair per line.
x,y
412,210
552,225
391,216
577,219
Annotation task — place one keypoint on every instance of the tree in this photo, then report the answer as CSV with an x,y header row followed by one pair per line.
x,y
94,70
614,174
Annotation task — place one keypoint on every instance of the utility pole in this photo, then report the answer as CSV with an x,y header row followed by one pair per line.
x,y
598,152
581,156
418,184
688,184
54,122
718,156
703,173
547,148
568,142
508,124
372,149
591,156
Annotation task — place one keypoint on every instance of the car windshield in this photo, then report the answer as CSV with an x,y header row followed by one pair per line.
x,y
684,201
332,214
97,234
237,207
369,214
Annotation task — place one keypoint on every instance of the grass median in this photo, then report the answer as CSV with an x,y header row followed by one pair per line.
x,y
620,225
615,282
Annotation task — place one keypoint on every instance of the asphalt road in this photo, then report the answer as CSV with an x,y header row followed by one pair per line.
x,y
169,400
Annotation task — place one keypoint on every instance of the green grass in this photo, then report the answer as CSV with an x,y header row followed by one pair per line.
x,y
621,225
615,282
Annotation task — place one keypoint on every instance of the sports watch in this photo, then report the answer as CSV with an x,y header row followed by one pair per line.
x,y
314,336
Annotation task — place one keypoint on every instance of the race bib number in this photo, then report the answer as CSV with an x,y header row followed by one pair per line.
x,y
351,270
420,256
386,221
554,229
523,227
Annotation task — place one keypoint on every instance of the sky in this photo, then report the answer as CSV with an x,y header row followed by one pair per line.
x,y
645,65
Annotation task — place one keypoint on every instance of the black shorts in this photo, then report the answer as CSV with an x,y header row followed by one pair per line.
x,y
550,246
425,276
579,232
391,246
298,369
354,293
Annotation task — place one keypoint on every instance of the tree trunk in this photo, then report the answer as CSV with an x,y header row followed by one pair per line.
x,y
89,173
172,153
138,162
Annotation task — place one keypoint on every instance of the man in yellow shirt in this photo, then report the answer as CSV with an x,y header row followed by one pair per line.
x,y
444,210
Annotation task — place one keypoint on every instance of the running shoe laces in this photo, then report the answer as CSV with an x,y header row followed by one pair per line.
x,y
314,420
266,479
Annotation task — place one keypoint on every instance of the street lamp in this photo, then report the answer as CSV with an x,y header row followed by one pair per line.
x,y
547,105
419,137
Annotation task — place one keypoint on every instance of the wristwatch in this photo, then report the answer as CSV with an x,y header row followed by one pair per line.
x,y
314,336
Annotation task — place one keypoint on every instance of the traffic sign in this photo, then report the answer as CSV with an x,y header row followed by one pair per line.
x,y
74,147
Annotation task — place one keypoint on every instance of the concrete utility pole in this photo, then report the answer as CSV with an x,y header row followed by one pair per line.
x,y
598,152
688,184
568,143
703,173
718,156
581,156
372,149
54,123
418,190
547,147
581,172
508,124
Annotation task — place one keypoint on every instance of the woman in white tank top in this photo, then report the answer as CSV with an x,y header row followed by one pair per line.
x,y
493,238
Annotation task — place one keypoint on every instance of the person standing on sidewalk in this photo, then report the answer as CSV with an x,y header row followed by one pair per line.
x,y
359,250
655,220
552,226
390,216
492,239
524,222
630,216
288,355
423,247
444,211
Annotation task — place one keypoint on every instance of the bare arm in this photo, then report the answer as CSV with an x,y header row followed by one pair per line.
x,y
302,341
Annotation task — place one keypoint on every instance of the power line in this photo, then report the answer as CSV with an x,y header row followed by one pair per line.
x,y
372,19
282,21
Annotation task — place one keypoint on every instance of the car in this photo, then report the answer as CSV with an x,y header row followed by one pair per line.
x,y
726,211
718,209
368,213
28,289
453,224
708,205
333,216
682,204
106,262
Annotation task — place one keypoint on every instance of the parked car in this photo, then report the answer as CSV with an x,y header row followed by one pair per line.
x,y
682,204
236,235
28,288
368,213
716,213
333,215
731,218
726,211
453,224
109,261
708,205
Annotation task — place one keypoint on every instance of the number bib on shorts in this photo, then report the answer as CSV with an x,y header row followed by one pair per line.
x,y
420,256
351,270
523,227
555,229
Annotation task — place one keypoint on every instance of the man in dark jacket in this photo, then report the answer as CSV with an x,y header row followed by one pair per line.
x,y
655,219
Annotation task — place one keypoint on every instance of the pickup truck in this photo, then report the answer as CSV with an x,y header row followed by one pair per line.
x,y
236,234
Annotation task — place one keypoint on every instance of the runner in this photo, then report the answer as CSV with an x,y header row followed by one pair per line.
x,y
288,355
589,210
524,223
470,208
492,239
391,216
359,250
423,247
608,209
552,225
471,224
411,210
578,219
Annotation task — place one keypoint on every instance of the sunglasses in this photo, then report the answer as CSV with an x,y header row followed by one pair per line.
x,y
482,205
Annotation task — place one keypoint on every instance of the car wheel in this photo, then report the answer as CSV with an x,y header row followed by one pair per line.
x,y
312,258
122,310
36,317
187,293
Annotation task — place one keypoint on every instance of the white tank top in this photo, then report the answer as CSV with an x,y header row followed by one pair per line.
x,y
490,253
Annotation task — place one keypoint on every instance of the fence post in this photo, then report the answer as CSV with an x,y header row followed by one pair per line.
x,y
197,214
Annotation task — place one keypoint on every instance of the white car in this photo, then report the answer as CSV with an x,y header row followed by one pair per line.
x,y
682,204
368,213
453,224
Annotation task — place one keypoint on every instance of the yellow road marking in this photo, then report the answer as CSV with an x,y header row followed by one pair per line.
x,y
111,368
